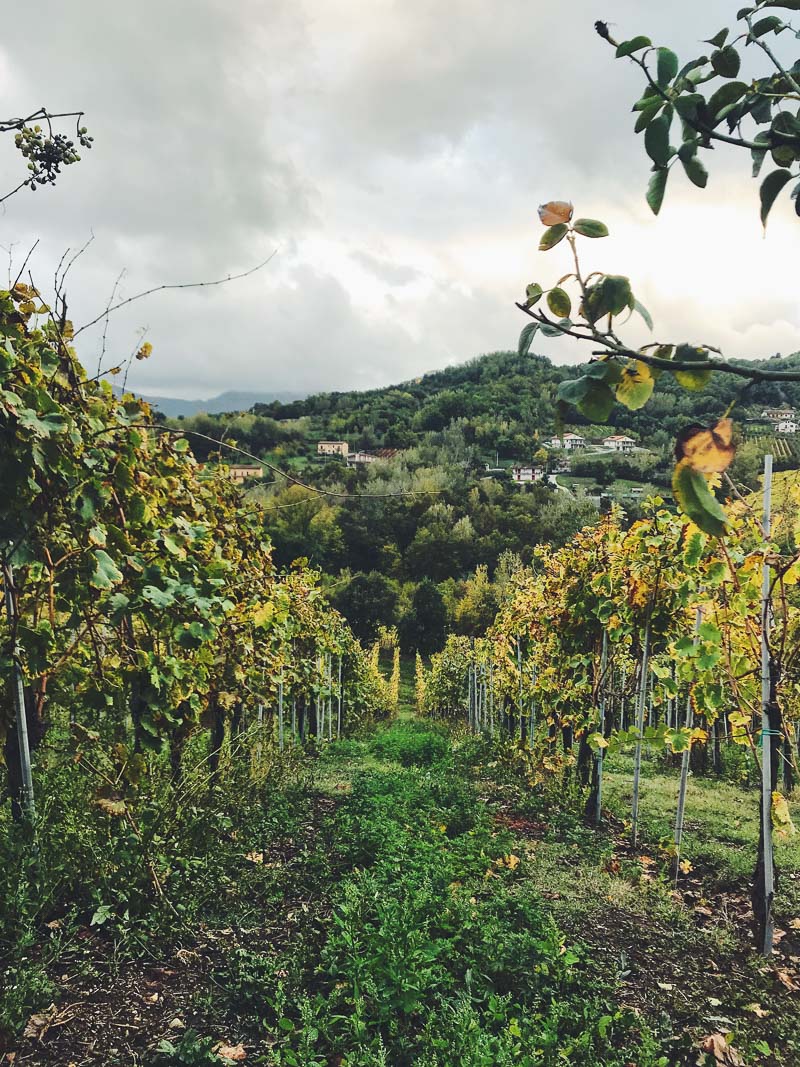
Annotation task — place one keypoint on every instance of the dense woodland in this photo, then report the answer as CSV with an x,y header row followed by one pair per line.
x,y
452,530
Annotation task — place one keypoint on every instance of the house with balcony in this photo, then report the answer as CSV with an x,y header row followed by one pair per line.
x,y
619,442
569,442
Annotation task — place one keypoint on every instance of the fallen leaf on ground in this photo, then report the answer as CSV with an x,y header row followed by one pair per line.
x,y
724,1055
756,1009
255,857
38,1024
234,1053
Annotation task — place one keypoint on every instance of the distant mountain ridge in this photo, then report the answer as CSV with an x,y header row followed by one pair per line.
x,y
230,400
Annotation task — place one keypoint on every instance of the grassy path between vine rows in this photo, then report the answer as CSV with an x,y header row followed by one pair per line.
x,y
406,899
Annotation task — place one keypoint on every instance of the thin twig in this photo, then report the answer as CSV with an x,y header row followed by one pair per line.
x,y
178,285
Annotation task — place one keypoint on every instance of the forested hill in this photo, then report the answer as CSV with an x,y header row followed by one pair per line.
x,y
502,400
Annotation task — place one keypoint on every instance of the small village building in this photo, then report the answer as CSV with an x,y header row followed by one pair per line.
x,y
786,426
527,475
569,442
778,415
240,472
619,442
333,448
355,458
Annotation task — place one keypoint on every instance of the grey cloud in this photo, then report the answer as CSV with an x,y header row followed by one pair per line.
x,y
412,140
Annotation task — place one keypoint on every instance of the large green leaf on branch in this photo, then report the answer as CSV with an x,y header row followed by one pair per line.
x,y
726,96
766,25
611,295
526,338
695,171
666,66
656,140
636,44
559,302
635,386
552,236
590,228
591,393
696,501
695,380
770,188
726,62
656,189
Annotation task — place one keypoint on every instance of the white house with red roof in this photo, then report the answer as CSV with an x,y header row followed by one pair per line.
x,y
569,442
619,442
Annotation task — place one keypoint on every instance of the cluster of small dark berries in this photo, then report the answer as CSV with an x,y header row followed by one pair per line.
x,y
47,153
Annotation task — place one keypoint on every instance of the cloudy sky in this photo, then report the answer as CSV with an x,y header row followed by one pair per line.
x,y
393,152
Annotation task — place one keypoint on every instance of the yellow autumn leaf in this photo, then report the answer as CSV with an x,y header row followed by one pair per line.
x,y
781,818
709,451
636,385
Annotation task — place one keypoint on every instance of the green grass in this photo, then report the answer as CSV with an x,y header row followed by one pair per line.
x,y
408,898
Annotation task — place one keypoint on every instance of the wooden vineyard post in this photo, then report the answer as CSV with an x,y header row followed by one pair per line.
x,y
491,698
640,710
330,697
28,804
280,712
294,720
598,799
678,836
260,733
764,887
532,720
339,703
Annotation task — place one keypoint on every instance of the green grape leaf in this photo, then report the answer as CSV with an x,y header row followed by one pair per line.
x,y
696,501
106,573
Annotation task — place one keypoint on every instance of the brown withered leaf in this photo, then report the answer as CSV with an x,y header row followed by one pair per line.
x,y
231,1053
555,212
709,451
116,808
724,1055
